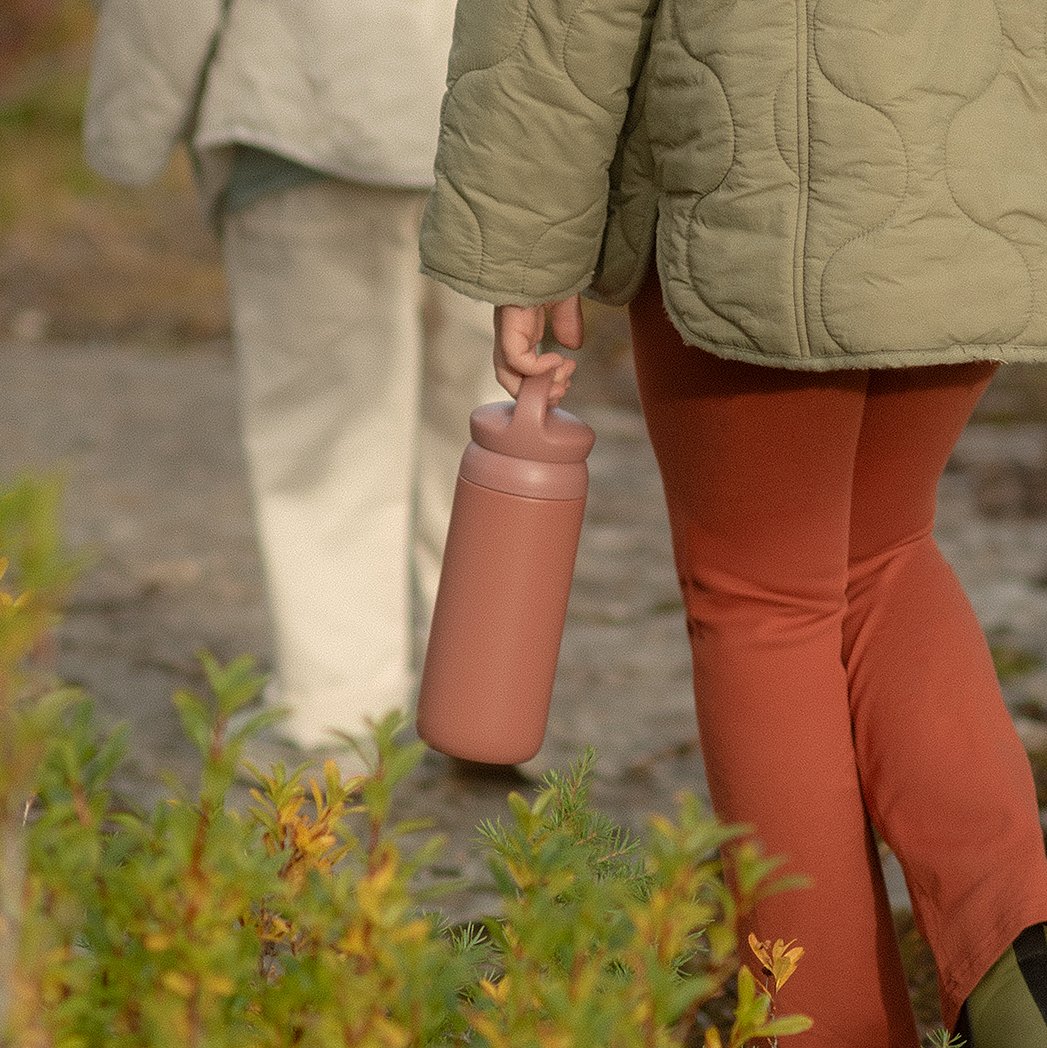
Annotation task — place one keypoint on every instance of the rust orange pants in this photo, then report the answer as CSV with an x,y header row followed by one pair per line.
x,y
842,681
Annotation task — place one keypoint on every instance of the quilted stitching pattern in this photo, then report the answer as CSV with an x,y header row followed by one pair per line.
x,y
918,56
833,184
529,82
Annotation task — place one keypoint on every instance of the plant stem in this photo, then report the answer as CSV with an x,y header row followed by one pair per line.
x,y
12,881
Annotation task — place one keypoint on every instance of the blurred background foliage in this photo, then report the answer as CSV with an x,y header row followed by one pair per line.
x,y
81,259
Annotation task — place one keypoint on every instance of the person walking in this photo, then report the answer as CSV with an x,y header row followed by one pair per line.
x,y
829,224
313,127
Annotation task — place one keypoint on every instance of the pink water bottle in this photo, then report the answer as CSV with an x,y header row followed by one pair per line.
x,y
506,576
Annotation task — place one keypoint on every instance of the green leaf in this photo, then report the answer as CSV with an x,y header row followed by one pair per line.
x,y
723,941
234,686
259,722
752,869
525,818
784,1025
685,994
196,721
746,989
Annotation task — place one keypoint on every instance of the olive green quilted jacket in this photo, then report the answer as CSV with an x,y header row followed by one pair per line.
x,y
828,183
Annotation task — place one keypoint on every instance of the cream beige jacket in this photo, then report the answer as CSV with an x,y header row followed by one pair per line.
x,y
351,87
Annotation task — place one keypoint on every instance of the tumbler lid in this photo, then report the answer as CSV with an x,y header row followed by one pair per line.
x,y
530,429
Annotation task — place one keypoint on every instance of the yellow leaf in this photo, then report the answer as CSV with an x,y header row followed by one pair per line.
x,y
326,841
220,985
499,991
523,877
154,942
178,983
712,1038
761,950
289,809
302,836
549,1038
276,929
485,1026
779,960
641,1013
354,942
383,876
413,931
332,773
392,1034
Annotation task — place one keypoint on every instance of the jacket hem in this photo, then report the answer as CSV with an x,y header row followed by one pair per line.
x,y
959,353
375,175
622,295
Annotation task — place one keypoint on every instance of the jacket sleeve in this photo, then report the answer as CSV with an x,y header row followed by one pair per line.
x,y
537,94
147,66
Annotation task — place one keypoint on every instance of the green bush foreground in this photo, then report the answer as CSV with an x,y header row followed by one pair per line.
x,y
299,921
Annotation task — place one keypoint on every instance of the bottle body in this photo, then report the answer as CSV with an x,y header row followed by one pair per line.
x,y
506,576
498,621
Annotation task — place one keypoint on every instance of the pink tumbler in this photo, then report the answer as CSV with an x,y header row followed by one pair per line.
x,y
506,576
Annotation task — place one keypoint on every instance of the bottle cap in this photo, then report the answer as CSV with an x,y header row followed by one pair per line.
x,y
530,429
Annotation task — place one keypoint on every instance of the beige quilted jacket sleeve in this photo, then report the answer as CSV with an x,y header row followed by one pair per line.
x,y
537,94
148,58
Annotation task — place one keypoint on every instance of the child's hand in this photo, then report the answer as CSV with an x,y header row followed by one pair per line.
x,y
518,332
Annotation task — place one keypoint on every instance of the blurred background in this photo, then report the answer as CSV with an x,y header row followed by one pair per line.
x,y
81,259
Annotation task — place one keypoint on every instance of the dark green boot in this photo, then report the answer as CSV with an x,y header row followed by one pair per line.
x,y
1008,1008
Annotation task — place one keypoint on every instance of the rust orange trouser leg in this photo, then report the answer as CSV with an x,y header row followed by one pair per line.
x,y
840,674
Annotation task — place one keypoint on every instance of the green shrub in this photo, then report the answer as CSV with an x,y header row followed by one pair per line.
x,y
298,921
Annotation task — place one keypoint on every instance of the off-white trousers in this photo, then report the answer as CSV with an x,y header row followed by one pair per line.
x,y
358,375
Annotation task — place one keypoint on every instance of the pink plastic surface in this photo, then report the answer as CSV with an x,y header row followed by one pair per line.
x,y
495,639
529,429
506,577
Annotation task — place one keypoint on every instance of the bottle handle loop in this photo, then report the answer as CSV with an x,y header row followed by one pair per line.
x,y
532,402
